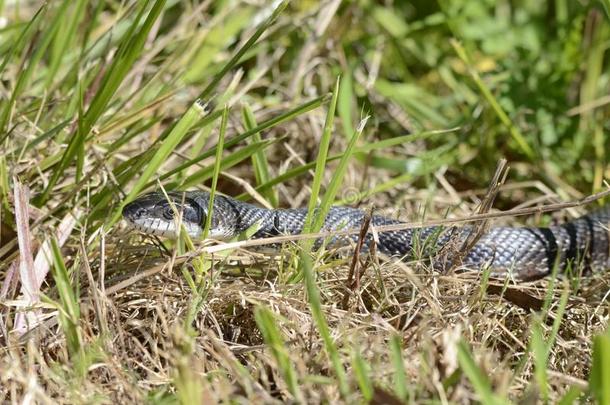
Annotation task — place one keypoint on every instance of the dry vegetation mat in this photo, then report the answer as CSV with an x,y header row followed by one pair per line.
x,y
425,111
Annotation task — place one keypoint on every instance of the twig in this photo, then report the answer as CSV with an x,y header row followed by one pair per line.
x,y
352,284
459,252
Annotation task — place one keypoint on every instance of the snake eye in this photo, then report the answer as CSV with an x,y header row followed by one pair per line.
x,y
168,213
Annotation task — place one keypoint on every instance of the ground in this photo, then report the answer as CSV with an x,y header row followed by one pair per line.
x,y
418,102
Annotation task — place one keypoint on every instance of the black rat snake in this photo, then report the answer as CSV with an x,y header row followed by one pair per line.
x,y
523,252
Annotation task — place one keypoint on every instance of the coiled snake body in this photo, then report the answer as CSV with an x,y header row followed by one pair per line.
x,y
524,252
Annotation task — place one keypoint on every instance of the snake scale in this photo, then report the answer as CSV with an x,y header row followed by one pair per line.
x,y
525,253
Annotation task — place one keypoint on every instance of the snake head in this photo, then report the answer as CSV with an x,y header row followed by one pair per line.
x,y
156,214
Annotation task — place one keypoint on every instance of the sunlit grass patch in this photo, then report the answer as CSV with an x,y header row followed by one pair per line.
x,y
267,101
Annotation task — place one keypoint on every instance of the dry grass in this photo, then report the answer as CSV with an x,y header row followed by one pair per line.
x,y
137,339
126,318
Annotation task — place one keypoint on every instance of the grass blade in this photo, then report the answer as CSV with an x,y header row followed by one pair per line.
x,y
64,38
600,369
219,148
306,266
400,374
266,322
305,262
30,62
231,160
369,147
540,354
362,372
571,397
24,37
69,310
251,41
189,387
310,105
344,104
259,160
476,376
313,295
309,224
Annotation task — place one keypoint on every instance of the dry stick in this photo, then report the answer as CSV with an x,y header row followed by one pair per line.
x,y
30,282
516,296
42,265
398,227
351,284
479,229
26,258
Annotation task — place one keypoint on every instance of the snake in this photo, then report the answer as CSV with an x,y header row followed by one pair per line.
x,y
523,253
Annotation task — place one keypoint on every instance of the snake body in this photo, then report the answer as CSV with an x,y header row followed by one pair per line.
x,y
523,252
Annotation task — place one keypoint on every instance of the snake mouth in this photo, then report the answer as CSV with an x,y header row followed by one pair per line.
x,y
164,215
162,227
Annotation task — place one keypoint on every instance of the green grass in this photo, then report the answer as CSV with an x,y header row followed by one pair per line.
x,y
102,101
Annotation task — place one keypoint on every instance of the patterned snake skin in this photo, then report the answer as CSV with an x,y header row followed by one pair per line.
x,y
523,252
